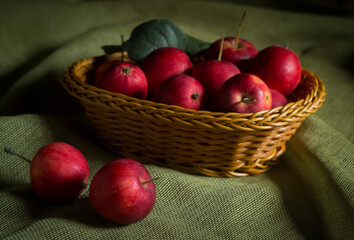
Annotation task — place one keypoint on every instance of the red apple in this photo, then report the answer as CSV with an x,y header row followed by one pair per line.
x,y
244,93
212,74
162,64
58,172
234,49
181,90
278,99
122,191
278,67
240,55
121,77
103,67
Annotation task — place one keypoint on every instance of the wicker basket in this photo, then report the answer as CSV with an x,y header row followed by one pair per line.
x,y
209,143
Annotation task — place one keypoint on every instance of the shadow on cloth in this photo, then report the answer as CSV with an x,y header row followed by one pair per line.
x,y
297,202
43,95
79,210
311,194
10,78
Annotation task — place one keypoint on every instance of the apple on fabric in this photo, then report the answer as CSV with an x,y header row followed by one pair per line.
x,y
244,93
58,171
122,191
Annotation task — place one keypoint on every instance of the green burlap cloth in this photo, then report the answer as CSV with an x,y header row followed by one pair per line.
x,y
308,195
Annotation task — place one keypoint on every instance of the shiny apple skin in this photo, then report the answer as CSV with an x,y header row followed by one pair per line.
x,y
122,77
118,194
212,74
162,63
239,56
59,172
244,93
181,90
278,67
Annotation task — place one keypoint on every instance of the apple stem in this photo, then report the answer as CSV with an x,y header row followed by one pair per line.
x,y
122,42
239,30
126,70
151,180
221,47
11,151
248,99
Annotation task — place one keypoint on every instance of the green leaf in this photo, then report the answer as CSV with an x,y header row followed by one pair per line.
x,y
195,45
152,35
155,34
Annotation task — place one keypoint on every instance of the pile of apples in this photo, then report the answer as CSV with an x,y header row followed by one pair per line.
x,y
234,77
122,191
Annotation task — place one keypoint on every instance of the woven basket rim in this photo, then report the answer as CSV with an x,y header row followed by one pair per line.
x,y
267,119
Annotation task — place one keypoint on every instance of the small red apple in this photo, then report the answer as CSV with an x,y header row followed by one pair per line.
x,y
278,99
212,74
122,191
244,93
240,55
58,172
278,67
121,77
181,90
162,63
102,68
234,49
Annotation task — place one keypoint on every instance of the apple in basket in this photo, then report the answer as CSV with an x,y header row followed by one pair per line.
x,y
121,77
244,93
181,90
238,53
278,67
234,49
278,99
58,172
162,63
212,74
122,191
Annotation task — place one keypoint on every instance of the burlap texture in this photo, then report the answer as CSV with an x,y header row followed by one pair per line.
x,y
308,195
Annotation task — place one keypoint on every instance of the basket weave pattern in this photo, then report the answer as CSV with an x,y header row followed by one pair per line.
x,y
209,143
